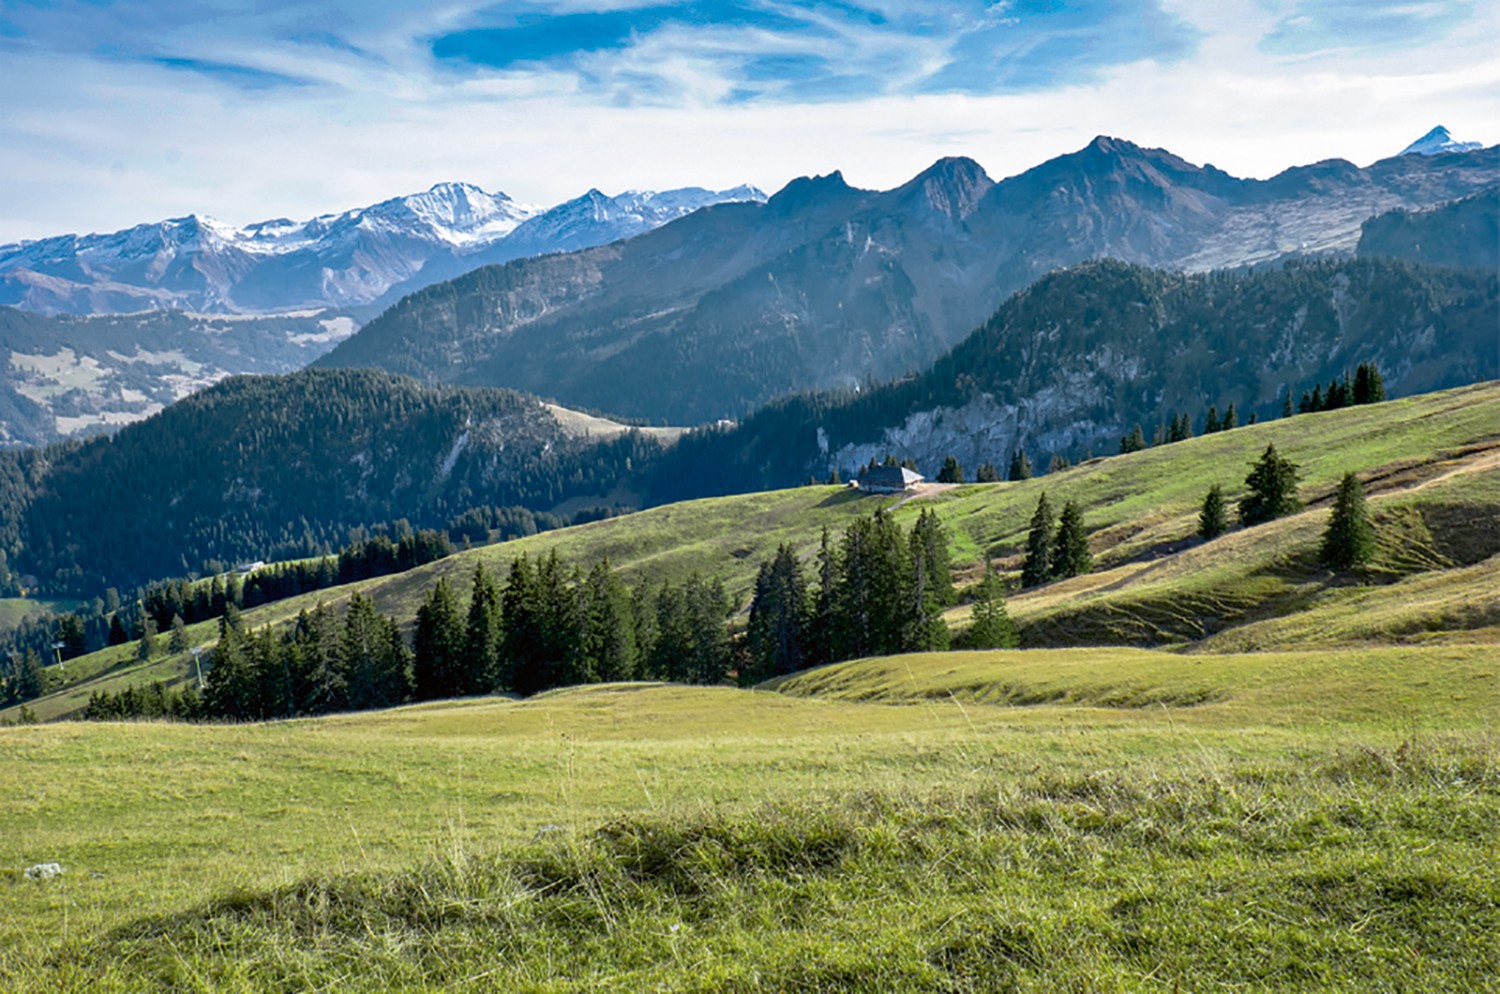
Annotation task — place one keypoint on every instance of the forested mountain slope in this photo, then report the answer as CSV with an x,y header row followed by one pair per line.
x,y
261,466
1070,365
825,286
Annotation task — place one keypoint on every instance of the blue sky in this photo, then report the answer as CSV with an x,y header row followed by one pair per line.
x,y
121,111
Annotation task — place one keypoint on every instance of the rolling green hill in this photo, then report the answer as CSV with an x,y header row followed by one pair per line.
x,y
1431,463
1036,819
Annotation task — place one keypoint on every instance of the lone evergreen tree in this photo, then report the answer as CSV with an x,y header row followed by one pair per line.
x,y
178,642
1211,520
1037,569
1070,551
146,647
1349,539
1020,466
992,627
29,680
1211,420
951,472
1230,419
1273,489
1133,442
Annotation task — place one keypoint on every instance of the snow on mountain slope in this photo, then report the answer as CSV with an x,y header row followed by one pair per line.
x,y
1438,141
354,258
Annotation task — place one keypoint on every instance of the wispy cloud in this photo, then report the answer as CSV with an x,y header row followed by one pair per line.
x,y
1311,26
121,111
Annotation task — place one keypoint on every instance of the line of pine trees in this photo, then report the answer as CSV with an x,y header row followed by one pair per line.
x,y
548,625
878,590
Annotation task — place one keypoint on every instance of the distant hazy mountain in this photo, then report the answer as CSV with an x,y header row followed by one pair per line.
x,y
336,260
67,375
1073,363
1462,233
1438,141
828,286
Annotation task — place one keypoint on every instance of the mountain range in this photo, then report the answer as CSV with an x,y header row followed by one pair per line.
x,y
363,257
828,286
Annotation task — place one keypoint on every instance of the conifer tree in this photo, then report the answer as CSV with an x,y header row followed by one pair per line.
x,y
1070,550
821,641
30,680
986,473
230,686
1057,463
146,648
609,637
779,617
1369,385
1230,419
952,471
322,687
1135,441
522,645
1020,466
930,589
1286,404
438,646
1349,539
991,627
480,668
1211,519
1037,569
708,643
178,641
1272,487
117,633
1211,420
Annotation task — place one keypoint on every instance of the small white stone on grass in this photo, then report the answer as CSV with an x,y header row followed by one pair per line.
x,y
44,871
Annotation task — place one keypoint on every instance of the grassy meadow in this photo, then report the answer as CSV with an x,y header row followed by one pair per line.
x,y
1086,819
1214,766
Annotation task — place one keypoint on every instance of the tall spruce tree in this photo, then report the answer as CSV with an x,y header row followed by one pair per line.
x,y
1211,518
930,589
1211,420
1020,466
779,617
986,473
1070,550
480,671
991,627
1369,385
1272,487
1037,568
609,636
1349,539
438,646
951,471
29,680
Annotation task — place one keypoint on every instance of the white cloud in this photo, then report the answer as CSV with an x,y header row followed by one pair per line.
x,y
97,145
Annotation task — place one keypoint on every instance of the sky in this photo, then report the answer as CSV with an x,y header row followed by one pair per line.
x,y
119,112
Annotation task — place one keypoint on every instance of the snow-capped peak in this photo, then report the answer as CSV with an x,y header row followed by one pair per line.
x,y
1437,141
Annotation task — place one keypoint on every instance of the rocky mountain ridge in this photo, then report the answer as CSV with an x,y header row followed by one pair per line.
x,y
825,286
361,257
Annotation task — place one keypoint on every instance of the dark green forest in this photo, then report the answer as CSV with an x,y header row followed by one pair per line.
x,y
275,467
1153,346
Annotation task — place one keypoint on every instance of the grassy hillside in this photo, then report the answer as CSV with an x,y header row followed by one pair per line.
x,y
1026,821
1431,464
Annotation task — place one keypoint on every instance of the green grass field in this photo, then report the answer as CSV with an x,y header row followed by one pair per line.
x,y
1216,767
1071,820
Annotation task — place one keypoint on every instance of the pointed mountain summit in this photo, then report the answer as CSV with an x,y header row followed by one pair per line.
x,y
1437,141
952,186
